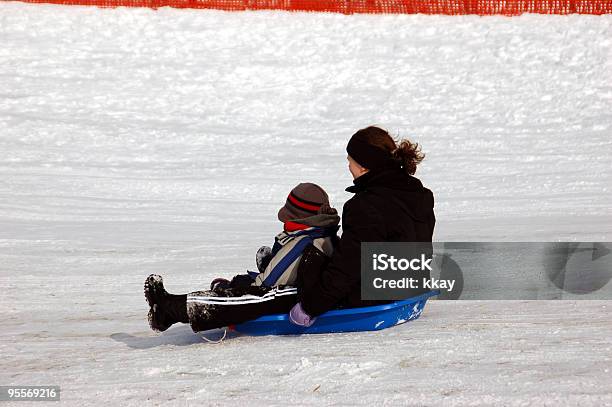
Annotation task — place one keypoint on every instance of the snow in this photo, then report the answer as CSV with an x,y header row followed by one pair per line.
x,y
135,141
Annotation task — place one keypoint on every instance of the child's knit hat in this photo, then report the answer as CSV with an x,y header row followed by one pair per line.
x,y
303,201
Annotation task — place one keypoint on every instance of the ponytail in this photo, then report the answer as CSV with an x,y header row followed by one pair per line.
x,y
409,155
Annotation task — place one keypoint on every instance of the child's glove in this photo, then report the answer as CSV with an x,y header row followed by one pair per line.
x,y
298,316
263,257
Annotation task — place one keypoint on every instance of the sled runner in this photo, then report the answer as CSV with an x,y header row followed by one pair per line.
x,y
342,320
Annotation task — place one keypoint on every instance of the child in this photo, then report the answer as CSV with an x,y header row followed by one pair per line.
x,y
307,219
308,222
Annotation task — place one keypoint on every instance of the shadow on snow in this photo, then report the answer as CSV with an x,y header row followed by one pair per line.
x,y
179,336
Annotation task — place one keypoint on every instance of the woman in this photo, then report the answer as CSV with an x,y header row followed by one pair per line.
x,y
390,205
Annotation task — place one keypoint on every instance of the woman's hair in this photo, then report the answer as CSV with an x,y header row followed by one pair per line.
x,y
405,152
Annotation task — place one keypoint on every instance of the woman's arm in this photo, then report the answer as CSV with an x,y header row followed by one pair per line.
x,y
360,223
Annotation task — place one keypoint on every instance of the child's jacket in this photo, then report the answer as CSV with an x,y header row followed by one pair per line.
x,y
319,230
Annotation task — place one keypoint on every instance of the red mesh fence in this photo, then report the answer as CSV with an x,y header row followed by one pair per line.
x,y
481,7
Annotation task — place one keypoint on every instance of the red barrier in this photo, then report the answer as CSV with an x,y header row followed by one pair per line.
x,y
451,7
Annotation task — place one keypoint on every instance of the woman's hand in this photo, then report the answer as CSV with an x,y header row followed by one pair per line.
x,y
298,316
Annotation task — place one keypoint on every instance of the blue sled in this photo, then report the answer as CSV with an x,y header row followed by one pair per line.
x,y
342,320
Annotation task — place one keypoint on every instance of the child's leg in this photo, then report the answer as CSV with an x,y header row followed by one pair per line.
x,y
219,308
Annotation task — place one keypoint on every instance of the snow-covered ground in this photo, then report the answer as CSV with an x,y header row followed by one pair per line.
x,y
135,141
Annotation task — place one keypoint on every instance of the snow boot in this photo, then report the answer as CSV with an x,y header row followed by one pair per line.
x,y
165,309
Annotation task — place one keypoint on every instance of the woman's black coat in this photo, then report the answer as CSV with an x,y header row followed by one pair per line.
x,y
388,206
